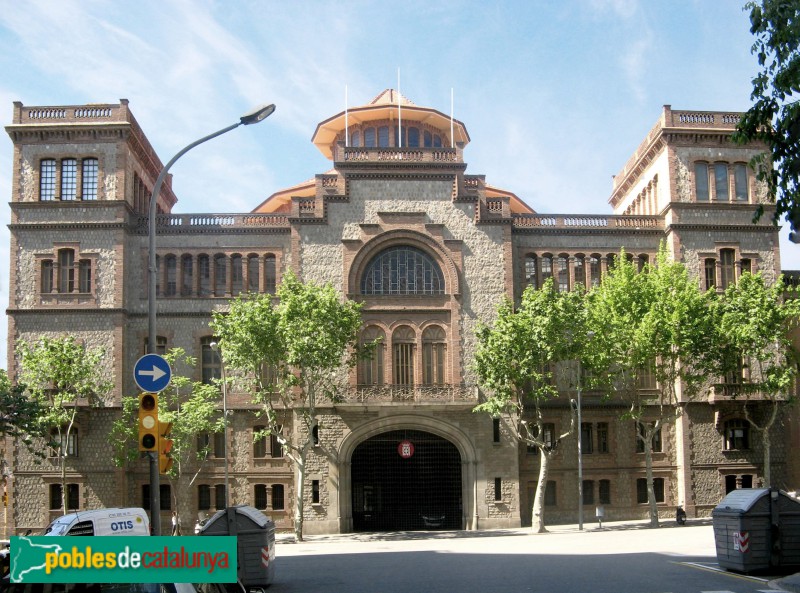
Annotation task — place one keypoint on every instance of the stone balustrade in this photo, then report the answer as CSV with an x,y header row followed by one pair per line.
x,y
366,394
197,222
572,221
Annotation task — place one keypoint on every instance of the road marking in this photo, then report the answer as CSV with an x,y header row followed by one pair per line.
x,y
716,568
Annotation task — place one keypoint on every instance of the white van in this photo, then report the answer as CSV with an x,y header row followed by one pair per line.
x,y
130,521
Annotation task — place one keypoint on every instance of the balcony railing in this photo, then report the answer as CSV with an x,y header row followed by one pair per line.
x,y
460,393
572,221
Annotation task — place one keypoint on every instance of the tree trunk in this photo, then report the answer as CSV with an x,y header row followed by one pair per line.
x,y
537,513
767,457
299,507
651,493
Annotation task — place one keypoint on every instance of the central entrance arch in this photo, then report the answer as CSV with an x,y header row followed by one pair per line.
x,y
412,487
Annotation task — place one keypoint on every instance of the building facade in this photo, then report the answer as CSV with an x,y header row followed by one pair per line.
x,y
430,250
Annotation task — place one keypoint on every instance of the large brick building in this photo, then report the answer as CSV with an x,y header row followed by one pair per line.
x,y
430,250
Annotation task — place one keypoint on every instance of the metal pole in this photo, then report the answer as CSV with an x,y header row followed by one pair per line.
x,y
580,454
225,424
252,117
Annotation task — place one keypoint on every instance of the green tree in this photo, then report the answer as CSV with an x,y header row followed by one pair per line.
x,y
652,346
61,374
193,409
294,353
754,323
19,414
520,360
774,118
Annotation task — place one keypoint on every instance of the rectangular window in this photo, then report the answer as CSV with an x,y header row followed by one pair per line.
x,y
727,276
605,492
210,362
641,490
579,272
259,443
594,270
498,489
747,265
219,445
73,497
721,181
710,268
69,179
550,494
46,284
275,447
260,498
203,497
314,491
602,437
495,430
89,183
85,276
165,497
47,180
277,497
586,438
530,271
66,271
740,181
403,364
655,443
588,492
563,274
219,496
701,182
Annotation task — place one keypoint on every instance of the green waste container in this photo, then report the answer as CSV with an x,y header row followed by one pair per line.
x,y
255,542
756,529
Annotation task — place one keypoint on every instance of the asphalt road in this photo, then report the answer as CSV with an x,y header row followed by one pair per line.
x,y
620,558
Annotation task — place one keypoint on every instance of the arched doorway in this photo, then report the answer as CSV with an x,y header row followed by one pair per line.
x,y
399,487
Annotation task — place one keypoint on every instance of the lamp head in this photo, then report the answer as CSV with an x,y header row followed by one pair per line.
x,y
258,114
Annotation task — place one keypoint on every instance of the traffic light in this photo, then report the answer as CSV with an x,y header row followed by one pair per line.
x,y
148,422
164,447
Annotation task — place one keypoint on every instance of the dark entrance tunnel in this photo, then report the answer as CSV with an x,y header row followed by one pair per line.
x,y
394,492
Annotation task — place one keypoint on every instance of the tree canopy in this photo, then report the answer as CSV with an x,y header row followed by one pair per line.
x,y
774,117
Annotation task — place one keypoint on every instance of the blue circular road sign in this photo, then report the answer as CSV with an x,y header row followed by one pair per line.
x,y
152,373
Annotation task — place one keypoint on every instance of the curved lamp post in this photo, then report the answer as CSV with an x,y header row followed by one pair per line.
x,y
215,347
251,117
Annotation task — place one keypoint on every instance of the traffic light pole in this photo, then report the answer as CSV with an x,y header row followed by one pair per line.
x,y
155,493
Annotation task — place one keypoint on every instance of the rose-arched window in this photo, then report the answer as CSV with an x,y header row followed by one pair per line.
x,y
402,271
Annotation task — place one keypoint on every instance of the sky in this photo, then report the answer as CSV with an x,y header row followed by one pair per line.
x,y
555,95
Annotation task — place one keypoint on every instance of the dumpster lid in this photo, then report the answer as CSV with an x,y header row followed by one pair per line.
x,y
251,513
742,499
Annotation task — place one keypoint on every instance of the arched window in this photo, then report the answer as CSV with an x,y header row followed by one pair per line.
x,y
204,274
171,269
547,267
433,356
427,138
187,282
740,182
371,369
355,139
383,137
237,277
252,273
721,181
562,268
369,138
580,270
594,269
413,137
403,343
402,271
270,274
701,182
220,274
530,271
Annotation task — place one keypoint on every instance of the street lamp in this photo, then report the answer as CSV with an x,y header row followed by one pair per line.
x,y
251,117
589,336
215,348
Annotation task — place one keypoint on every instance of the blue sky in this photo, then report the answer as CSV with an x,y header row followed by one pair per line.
x,y
555,95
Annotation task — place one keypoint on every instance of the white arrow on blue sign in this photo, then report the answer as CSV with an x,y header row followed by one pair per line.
x,y
152,373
